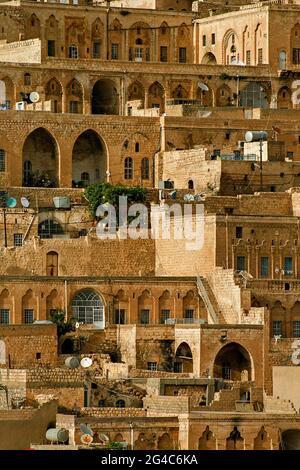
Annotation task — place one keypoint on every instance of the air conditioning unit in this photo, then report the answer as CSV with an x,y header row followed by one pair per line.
x,y
20,105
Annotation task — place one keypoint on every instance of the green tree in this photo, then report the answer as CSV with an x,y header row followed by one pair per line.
x,y
63,327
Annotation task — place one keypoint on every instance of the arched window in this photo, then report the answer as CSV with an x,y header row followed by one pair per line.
x,y
48,228
73,51
85,177
128,168
120,404
52,264
2,160
191,184
139,41
88,307
27,79
27,172
145,169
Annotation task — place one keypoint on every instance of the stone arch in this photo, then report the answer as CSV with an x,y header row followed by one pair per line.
x,y
139,41
235,441
40,149
230,41
121,307
165,442
28,307
207,440
184,357
145,307
105,98
295,44
262,441
116,39
209,59
7,93
135,96
278,319
166,305
233,362
180,93
6,306
88,308
118,437
205,96
190,306
54,93
284,98
89,157
33,27
164,42
51,35
224,96
156,96
145,441
52,303
74,97
184,41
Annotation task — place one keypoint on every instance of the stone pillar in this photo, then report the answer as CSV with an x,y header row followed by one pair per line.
x,y
178,308
272,262
133,311
146,100
288,323
17,314
126,47
183,435
155,310
256,261
65,165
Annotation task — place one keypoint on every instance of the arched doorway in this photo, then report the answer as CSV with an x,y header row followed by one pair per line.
x,y
235,441
88,159
208,440
183,359
165,442
105,99
284,98
88,308
52,264
40,159
233,362
156,97
209,59
53,93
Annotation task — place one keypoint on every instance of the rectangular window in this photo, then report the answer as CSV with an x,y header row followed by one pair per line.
x,y
51,48
152,365
138,54
260,56
182,55
4,316
115,51
288,266
18,239
120,316
178,367
28,315
248,57
240,263
203,40
164,315
238,232
277,328
296,56
73,107
296,329
213,39
2,160
264,266
290,155
145,315
96,50
189,314
163,54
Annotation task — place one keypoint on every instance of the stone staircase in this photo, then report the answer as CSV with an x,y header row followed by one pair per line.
x,y
209,300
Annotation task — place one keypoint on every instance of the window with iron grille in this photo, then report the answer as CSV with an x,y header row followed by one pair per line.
x,y
277,327
96,50
73,51
145,315
145,169
4,316
260,56
18,239
2,160
248,57
164,315
296,329
163,54
182,55
189,314
28,315
115,51
152,365
128,168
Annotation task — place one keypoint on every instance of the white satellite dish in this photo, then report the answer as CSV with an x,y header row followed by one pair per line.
x,y
86,362
25,202
77,325
103,438
202,86
34,97
86,439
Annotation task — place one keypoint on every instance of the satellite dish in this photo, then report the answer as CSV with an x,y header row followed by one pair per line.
x,y
11,202
86,439
34,97
86,362
85,429
103,438
25,202
77,324
202,86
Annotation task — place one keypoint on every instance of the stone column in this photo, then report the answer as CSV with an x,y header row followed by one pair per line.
x,y
65,164
155,310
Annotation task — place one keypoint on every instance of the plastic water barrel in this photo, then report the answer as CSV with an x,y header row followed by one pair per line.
x,y
252,136
72,362
57,435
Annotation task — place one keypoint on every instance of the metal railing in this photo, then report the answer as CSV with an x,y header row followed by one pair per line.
x,y
206,300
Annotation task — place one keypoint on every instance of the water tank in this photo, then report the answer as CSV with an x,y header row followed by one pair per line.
x,y
254,136
72,362
57,435
61,202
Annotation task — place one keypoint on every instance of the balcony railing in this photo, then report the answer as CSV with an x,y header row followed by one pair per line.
x,y
274,285
184,321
